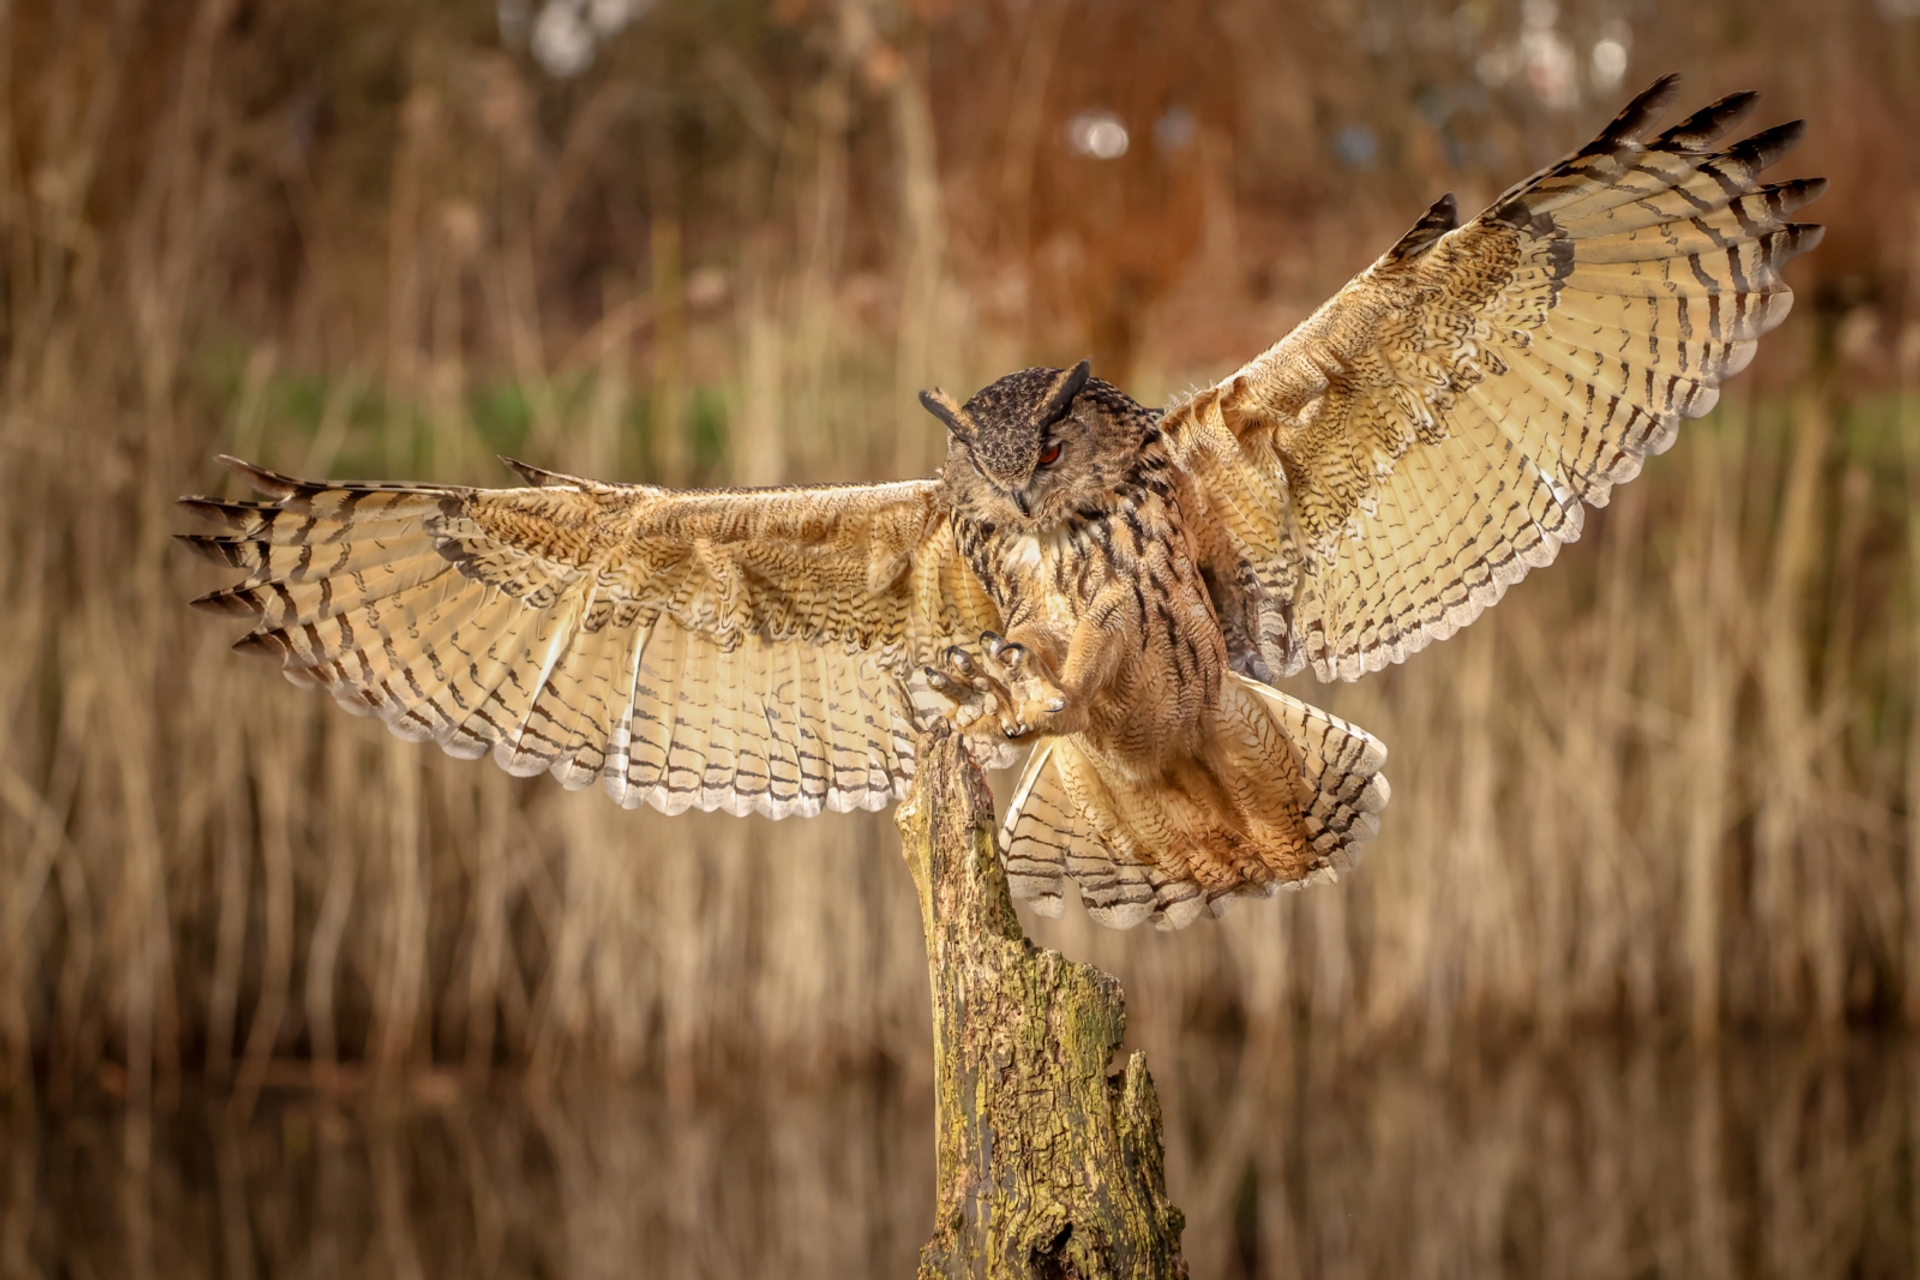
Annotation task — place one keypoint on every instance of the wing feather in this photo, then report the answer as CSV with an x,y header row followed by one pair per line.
x,y
744,650
1382,474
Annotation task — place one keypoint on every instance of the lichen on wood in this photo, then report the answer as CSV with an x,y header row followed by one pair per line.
x,y
1047,1165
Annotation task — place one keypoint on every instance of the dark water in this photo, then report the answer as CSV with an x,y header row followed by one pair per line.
x,y
1775,1159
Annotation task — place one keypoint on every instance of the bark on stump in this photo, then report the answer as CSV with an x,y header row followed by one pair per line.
x,y
1047,1166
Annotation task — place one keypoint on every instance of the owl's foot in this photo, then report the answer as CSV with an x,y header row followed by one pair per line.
x,y
1006,690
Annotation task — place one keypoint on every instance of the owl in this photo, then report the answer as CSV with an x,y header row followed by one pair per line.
x,y
1108,588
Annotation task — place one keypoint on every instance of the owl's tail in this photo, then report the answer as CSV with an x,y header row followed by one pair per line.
x,y
1132,864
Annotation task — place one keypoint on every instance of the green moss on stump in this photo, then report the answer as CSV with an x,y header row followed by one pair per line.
x,y
1048,1167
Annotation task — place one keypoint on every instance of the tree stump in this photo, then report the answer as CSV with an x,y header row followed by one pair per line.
x,y
1047,1166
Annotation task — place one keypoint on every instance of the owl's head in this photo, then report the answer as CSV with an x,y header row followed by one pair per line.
x,y
1038,445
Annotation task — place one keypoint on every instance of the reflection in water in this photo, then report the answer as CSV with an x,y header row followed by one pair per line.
x,y
1602,1161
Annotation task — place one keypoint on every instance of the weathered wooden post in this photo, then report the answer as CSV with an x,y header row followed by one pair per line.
x,y
1047,1166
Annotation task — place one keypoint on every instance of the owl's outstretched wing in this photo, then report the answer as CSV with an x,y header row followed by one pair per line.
x,y
745,650
1384,473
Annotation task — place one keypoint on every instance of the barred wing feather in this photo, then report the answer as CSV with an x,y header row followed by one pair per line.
x,y
741,650
1069,821
1382,474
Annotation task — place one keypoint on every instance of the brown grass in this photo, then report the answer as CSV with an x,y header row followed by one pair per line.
x,y
1668,782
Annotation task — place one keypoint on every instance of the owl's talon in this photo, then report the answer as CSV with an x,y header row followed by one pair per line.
x,y
1001,650
1003,686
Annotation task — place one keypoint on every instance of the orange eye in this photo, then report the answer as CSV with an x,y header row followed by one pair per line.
x,y
1050,454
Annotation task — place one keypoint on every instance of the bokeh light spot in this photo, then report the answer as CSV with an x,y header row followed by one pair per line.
x,y
1099,134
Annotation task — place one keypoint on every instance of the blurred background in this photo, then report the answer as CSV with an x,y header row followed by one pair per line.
x,y
1621,990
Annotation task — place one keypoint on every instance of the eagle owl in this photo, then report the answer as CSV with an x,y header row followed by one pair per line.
x,y
1110,585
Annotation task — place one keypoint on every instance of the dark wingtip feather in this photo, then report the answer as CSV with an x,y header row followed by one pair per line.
x,y
1803,236
1442,216
260,478
1643,110
233,602
1767,146
234,515
222,551
1698,131
535,476
1785,197
208,507
264,643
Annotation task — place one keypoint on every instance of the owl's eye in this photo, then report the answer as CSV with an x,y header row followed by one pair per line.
x,y
1050,455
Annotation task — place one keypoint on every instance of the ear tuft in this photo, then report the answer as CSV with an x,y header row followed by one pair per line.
x,y
1068,385
944,407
